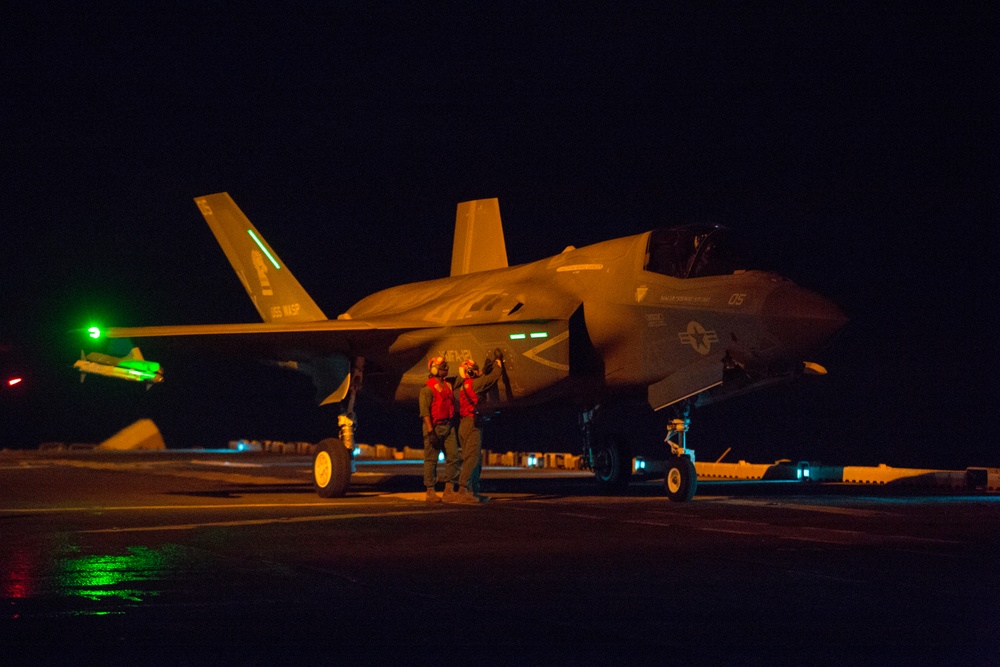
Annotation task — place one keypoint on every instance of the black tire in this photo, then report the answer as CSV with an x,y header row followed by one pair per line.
x,y
681,479
331,468
612,464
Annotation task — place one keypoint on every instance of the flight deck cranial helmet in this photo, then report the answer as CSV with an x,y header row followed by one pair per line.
x,y
469,369
435,364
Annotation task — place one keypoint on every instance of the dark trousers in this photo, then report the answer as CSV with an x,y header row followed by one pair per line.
x,y
470,438
446,434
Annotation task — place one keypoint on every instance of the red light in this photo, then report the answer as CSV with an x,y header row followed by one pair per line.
x,y
11,382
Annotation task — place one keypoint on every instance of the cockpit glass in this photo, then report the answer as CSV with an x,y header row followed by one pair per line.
x,y
694,251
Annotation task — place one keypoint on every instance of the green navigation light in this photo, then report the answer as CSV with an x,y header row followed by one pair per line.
x,y
140,365
540,334
262,248
140,368
517,336
94,332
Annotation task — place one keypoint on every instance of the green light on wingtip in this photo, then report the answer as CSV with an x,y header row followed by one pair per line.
x,y
94,332
262,248
540,334
517,336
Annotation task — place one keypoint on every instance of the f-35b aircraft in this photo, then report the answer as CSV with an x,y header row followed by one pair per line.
x,y
669,317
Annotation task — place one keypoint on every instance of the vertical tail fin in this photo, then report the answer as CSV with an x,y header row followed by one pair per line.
x,y
275,292
479,244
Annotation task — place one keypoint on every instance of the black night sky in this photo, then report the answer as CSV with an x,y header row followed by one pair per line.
x,y
854,143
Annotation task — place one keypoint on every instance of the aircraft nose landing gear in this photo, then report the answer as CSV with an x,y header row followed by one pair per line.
x,y
680,479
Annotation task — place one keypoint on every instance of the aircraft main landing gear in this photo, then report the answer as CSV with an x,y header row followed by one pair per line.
x,y
333,461
608,455
332,468
612,463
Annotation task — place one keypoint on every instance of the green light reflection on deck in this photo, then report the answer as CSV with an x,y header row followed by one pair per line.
x,y
114,577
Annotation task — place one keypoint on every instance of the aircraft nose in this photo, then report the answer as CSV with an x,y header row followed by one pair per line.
x,y
800,319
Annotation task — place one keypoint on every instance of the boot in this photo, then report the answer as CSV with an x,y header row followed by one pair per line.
x,y
432,496
449,495
466,497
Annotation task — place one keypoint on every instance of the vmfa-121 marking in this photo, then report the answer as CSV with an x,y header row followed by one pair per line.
x,y
670,316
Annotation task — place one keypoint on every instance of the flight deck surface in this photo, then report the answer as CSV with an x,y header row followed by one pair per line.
x,y
191,557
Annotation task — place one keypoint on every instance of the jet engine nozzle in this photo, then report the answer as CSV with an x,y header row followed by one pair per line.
x,y
801,320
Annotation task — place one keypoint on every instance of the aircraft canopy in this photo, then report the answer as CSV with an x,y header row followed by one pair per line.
x,y
693,251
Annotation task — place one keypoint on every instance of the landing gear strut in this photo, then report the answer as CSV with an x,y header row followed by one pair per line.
x,y
333,462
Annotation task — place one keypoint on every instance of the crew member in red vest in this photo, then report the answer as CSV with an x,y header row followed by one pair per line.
x,y
438,411
470,435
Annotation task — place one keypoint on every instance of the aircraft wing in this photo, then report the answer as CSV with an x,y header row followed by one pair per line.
x,y
322,350
268,339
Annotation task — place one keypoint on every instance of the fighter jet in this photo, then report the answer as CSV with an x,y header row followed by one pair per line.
x,y
670,317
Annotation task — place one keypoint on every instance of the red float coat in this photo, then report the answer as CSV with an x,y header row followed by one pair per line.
x,y
442,400
467,399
